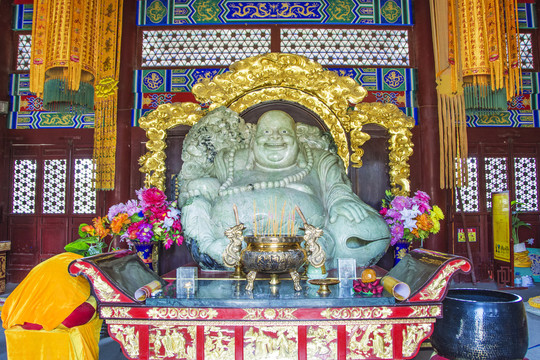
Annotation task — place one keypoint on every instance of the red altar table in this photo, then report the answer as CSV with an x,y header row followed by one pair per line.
x,y
223,321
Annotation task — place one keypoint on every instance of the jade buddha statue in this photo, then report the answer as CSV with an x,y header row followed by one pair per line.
x,y
266,170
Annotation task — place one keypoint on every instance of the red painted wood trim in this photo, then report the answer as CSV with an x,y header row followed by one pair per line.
x,y
200,342
342,342
302,342
239,343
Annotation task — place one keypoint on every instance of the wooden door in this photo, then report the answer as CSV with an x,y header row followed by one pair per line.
x,y
50,196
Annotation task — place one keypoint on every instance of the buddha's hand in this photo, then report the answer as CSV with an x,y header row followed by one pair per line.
x,y
216,249
351,210
206,186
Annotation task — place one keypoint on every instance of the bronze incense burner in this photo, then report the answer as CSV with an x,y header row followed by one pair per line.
x,y
272,254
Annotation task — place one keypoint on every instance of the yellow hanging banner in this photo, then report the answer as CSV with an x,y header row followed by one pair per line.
x,y
501,226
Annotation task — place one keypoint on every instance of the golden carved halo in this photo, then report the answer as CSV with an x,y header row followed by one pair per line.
x,y
278,76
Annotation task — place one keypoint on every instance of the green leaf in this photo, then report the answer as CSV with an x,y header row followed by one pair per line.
x,y
77,247
83,233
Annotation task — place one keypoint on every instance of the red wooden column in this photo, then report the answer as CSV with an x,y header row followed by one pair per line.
x,y
128,58
6,63
426,134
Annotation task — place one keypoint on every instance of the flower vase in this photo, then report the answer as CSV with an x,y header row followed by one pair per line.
x,y
401,248
144,250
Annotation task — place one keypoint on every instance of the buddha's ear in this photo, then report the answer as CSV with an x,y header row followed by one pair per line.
x,y
250,161
301,161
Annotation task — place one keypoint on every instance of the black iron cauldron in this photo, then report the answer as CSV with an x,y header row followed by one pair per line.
x,y
481,324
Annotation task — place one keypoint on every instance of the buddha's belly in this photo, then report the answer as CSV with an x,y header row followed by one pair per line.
x,y
273,210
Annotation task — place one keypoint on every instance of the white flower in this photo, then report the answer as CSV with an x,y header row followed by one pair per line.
x,y
409,216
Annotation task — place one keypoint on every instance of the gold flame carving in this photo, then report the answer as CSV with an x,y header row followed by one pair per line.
x,y
295,78
103,290
413,335
434,290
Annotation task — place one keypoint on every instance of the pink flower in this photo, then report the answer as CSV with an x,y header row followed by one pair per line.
x,y
152,197
383,211
424,207
422,196
168,243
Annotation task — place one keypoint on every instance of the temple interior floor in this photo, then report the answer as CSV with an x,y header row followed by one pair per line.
x,y
110,350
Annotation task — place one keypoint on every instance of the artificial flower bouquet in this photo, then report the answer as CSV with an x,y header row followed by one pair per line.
x,y
148,218
410,218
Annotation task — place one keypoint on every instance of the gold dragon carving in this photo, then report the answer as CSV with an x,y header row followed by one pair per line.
x,y
278,76
103,290
434,290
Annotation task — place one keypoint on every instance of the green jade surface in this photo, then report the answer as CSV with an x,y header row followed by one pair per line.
x,y
266,170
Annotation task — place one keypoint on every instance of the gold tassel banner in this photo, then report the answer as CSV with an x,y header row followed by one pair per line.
x,y
488,36
75,62
106,93
477,63
62,70
450,97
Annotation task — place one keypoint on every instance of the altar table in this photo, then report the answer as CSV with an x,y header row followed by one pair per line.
x,y
224,321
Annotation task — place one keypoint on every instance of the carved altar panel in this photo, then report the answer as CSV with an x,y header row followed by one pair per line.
x,y
322,342
219,343
373,341
172,342
271,342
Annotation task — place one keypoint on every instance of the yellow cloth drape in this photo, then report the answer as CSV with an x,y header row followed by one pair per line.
x,y
78,343
47,295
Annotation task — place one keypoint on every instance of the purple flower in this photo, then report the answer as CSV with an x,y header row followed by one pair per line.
x,y
397,233
115,210
144,232
393,214
401,202
132,207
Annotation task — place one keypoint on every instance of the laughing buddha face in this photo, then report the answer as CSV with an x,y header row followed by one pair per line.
x,y
275,146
